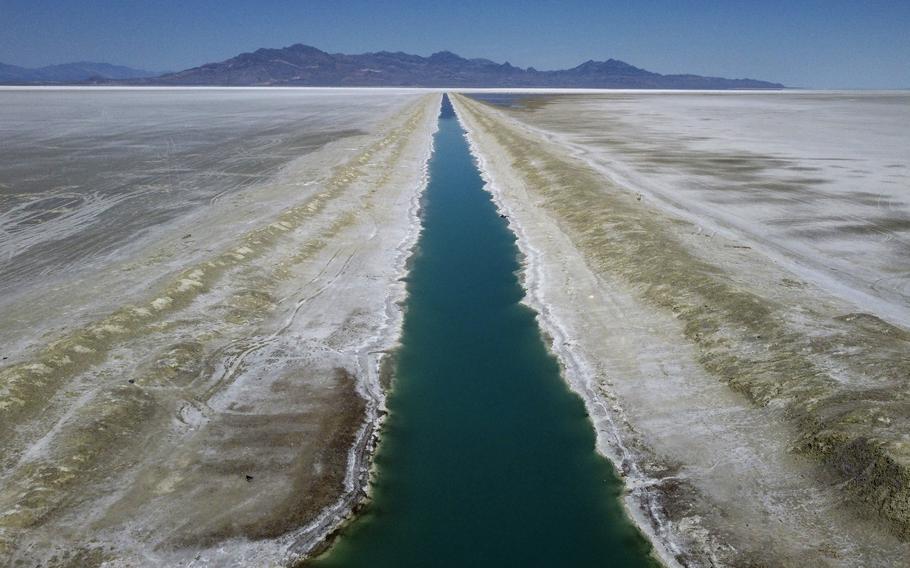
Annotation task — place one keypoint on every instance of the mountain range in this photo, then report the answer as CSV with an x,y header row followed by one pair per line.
x,y
303,65
69,73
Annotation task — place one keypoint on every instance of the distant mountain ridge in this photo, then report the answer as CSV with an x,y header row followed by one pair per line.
x,y
66,73
306,65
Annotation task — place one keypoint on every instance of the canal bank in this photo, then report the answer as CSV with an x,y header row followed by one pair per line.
x,y
487,458
639,304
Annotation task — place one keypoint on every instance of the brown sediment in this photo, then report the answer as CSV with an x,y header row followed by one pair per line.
x,y
742,336
316,472
387,369
360,502
87,557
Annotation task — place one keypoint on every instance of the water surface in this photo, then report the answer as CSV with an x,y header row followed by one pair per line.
x,y
487,459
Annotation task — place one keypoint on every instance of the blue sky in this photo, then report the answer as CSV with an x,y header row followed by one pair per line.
x,y
820,44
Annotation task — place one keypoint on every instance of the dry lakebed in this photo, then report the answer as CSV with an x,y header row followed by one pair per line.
x,y
202,295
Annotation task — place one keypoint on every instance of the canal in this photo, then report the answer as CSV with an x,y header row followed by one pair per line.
x,y
487,458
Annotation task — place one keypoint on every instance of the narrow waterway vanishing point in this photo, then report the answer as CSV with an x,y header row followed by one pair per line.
x,y
487,458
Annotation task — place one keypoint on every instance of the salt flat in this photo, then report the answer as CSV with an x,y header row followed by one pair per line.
x,y
724,278
197,288
819,181
91,176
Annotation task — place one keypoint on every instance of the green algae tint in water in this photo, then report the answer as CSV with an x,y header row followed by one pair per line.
x,y
486,459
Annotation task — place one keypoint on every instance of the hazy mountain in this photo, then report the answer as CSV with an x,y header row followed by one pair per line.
x,y
79,72
305,65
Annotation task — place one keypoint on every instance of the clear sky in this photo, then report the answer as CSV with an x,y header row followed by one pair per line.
x,y
803,43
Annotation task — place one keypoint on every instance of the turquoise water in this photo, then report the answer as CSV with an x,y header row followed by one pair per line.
x,y
487,459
